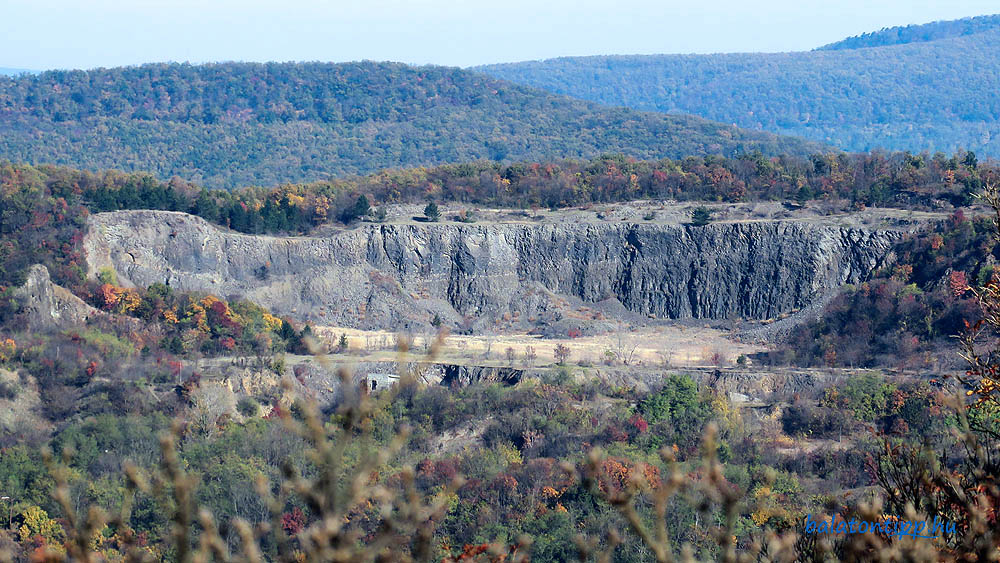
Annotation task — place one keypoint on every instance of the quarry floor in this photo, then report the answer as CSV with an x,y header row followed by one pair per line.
x,y
664,345
670,212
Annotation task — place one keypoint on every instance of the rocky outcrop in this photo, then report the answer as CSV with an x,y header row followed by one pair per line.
x,y
45,306
461,375
394,275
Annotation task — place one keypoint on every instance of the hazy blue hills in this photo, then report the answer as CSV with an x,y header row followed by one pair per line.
x,y
14,71
937,94
903,34
240,123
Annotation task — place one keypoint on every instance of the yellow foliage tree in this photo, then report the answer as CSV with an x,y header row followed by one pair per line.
x,y
271,322
38,524
128,301
7,349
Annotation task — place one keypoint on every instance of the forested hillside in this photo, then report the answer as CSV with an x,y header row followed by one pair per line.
x,y
230,124
899,35
934,95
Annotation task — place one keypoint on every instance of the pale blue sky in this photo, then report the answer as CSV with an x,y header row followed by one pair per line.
x,y
45,34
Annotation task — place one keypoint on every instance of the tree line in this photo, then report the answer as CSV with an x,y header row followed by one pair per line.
x,y
917,181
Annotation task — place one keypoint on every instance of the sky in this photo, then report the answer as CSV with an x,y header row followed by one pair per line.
x,y
50,34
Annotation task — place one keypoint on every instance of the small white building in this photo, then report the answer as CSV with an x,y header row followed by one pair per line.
x,y
374,382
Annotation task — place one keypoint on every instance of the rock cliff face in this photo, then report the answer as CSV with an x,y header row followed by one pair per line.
x,y
393,275
46,306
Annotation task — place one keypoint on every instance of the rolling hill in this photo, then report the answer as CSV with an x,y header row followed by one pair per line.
x,y
4,71
230,124
901,35
934,87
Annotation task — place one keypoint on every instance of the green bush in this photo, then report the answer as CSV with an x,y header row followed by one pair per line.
x,y
8,390
432,212
248,407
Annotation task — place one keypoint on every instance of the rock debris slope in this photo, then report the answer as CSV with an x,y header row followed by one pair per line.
x,y
399,275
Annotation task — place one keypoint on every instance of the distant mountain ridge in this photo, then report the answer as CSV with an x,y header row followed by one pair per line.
x,y
230,124
14,71
937,95
917,33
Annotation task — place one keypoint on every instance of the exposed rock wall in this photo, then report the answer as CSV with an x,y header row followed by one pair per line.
x,y
46,306
471,375
391,276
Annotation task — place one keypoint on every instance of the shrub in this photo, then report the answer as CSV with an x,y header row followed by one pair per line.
x,y
431,212
561,376
248,407
8,390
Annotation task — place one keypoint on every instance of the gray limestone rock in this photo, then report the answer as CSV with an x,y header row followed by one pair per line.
x,y
398,276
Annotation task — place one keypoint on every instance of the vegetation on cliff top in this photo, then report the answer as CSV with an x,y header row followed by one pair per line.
x,y
60,197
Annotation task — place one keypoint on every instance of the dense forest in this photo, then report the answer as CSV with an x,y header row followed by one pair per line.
x,y
231,124
917,33
933,95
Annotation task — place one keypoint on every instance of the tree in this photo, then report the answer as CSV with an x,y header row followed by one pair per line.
x,y
626,346
205,206
701,216
431,212
361,208
561,353
7,349
209,403
306,340
867,396
679,400
529,355
970,160
107,276
37,523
